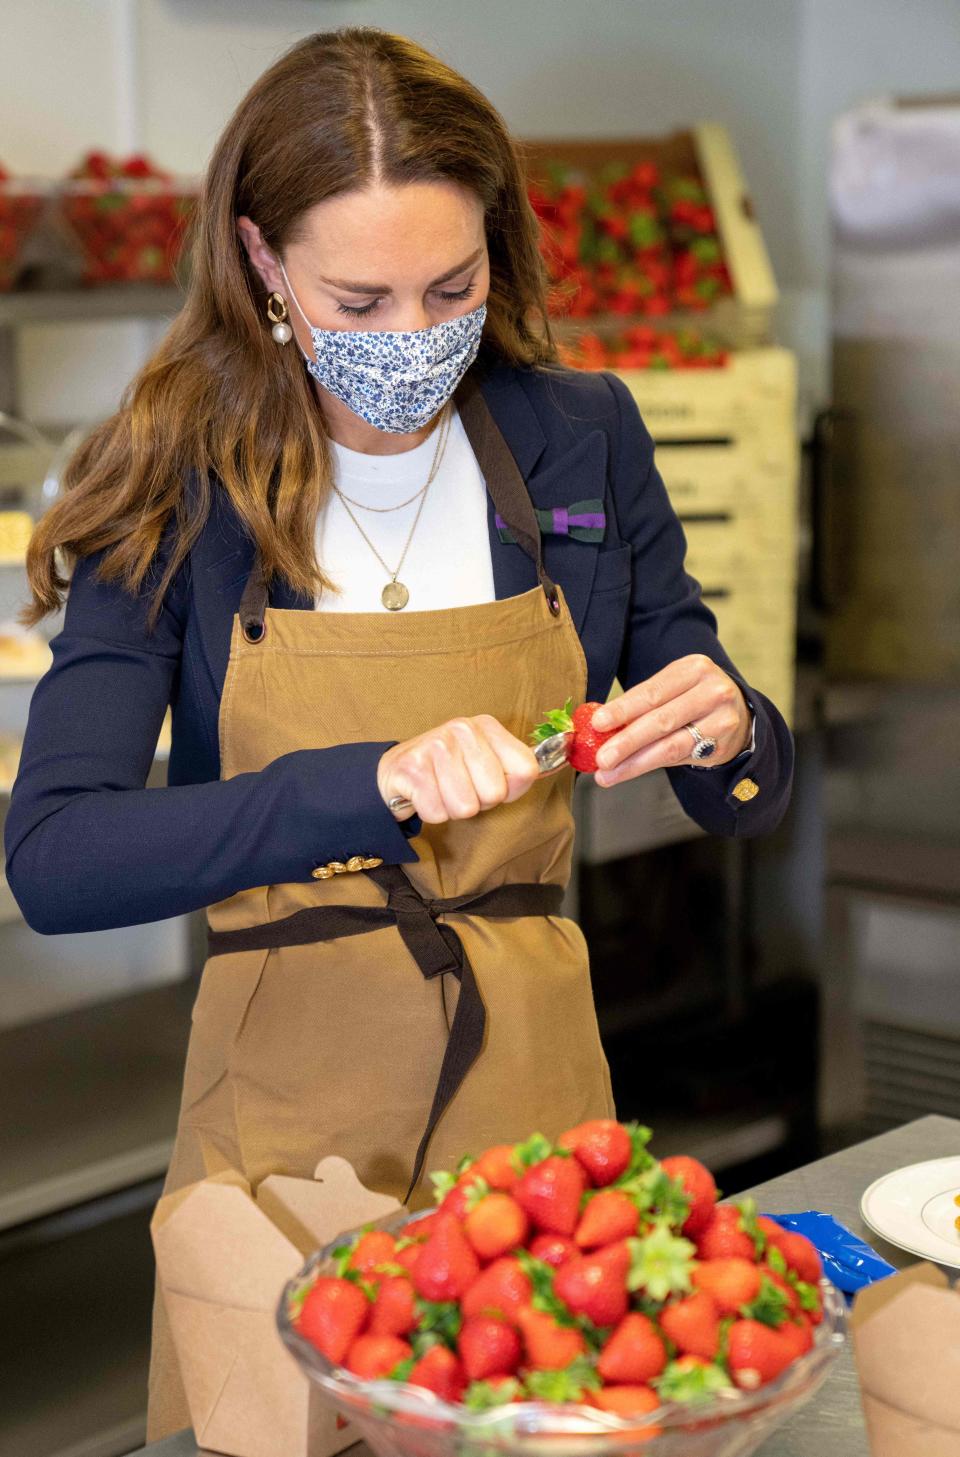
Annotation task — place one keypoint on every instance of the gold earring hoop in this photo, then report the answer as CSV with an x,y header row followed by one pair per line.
x,y
277,314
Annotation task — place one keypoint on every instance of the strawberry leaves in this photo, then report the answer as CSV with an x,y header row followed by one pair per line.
x,y
660,1263
570,1383
691,1384
555,721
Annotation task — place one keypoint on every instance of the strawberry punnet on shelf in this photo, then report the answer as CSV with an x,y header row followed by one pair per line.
x,y
21,202
129,216
582,1271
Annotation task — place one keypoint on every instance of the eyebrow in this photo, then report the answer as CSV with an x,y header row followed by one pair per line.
x,y
385,287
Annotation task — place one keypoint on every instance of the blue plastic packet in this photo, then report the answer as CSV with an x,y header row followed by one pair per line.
x,y
847,1261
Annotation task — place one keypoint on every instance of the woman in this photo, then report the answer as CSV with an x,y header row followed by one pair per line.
x,y
311,528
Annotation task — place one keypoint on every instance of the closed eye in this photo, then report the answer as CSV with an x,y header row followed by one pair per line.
x,y
370,307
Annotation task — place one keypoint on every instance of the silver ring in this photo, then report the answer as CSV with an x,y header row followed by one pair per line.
x,y
703,747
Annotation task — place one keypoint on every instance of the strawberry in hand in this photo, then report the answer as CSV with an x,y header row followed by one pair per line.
x,y
586,739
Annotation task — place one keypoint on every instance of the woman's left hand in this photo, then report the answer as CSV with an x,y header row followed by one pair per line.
x,y
651,716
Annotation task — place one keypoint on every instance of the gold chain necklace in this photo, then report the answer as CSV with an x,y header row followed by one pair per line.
x,y
395,595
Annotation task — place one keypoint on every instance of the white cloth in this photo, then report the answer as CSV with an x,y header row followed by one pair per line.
x,y
448,564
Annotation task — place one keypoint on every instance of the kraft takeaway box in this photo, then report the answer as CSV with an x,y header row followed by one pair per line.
x,y
906,1341
224,1253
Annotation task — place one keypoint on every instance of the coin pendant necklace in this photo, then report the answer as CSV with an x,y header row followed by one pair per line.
x,y
395,594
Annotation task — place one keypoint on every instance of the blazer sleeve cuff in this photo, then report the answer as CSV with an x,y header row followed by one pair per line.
x,y
341,812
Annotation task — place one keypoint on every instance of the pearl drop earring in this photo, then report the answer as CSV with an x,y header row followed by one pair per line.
x,y
277,314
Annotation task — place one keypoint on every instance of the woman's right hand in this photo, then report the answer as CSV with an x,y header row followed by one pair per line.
x,y
455,771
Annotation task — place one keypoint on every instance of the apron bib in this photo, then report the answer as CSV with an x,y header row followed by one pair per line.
x,y
363,1014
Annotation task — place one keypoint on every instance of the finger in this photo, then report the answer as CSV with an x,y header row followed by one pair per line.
x,y
677,677
659,723
483,766
453,779
418,783
669,752
517,759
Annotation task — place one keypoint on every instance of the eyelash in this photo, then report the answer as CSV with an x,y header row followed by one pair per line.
x,y
369,308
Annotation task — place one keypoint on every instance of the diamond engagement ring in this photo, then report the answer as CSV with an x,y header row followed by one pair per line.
x,y
703,747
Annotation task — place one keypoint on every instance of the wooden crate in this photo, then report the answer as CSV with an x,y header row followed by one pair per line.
x,y
746,317
751,397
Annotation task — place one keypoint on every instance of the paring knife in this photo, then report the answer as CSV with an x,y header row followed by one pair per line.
x,y
551,754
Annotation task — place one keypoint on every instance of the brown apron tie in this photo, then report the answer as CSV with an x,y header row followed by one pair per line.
x,y
505,484
436,949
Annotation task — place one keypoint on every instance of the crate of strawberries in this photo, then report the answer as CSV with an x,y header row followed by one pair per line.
x,y
651,228
577,1288
22,201
128,216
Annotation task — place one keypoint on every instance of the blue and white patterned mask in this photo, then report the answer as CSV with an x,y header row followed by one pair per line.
x,y
395,379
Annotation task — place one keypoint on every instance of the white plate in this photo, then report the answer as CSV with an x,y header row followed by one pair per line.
x,y
914,1209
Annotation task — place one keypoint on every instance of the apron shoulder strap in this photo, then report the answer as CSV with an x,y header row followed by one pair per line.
x,y
505,484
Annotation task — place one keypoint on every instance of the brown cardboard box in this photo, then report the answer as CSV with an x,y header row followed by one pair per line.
x,y
906,1341
223,1256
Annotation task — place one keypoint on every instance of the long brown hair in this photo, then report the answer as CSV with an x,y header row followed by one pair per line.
x,y
218,403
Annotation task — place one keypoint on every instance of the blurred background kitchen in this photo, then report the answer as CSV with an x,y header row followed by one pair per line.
x,y
779,283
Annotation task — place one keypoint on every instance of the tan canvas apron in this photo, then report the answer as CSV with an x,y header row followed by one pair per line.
x,y
336,1045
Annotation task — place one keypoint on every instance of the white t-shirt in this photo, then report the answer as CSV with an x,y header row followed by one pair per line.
x,y
448,563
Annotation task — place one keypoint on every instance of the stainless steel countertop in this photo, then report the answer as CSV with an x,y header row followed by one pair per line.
x,y
832,1424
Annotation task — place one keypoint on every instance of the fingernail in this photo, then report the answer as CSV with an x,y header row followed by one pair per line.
x,y
600,720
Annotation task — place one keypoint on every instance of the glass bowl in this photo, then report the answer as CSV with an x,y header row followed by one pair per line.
x,y
400,1420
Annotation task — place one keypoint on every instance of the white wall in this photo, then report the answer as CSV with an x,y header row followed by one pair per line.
x,y
165,75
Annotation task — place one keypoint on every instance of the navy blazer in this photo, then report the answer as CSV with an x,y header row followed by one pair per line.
x,y
89,847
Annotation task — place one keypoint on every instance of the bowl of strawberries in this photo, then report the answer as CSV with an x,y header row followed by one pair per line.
x,y
578,1296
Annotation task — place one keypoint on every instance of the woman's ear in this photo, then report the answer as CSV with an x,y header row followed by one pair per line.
x,y
261,257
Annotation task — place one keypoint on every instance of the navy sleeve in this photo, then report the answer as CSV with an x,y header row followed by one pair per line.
x,y
668,619
88,846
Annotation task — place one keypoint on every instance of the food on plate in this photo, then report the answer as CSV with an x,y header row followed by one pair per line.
x,y
587,1272
586,739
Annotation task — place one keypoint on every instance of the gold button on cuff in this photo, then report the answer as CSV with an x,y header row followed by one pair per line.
x,y
340,867
745,790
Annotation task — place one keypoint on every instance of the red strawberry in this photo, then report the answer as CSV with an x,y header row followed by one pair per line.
x,y
801,1255
698,1184
772,1231
333,1315
602,1146
548,1345
596,1285
409,1256
586,739
501,1289
495,1166
553,1249
376,1247
731,1282
440,1371
798,1336
635,1353
447,1265
394,1311
373,1356
756,1353
423,1228
550,1193
722,1236
629,1401
496,1224
788,1291
609,1216
693,1324
456,1200
488,1348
